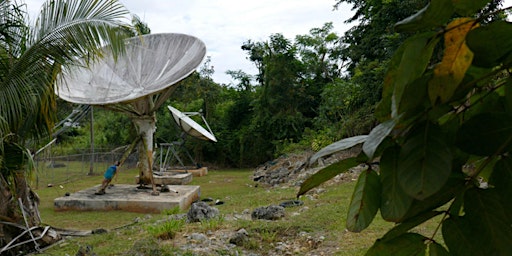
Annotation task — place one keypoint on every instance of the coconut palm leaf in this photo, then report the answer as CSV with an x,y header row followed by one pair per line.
x,y
32,57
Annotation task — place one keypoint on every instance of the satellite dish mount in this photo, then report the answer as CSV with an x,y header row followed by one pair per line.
x,y
171,151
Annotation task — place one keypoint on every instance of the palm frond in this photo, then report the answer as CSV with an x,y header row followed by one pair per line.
x,y
66,32
80,28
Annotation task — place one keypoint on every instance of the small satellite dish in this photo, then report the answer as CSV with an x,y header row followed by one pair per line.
x,y
151,64
190,126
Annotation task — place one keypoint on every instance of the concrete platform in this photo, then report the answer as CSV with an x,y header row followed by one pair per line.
x,y
128,198
168,178
195,172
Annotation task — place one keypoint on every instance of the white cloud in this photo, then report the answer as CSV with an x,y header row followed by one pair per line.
x,y
224,25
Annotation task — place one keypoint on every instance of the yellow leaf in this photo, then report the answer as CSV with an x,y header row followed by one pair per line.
x,y
456,60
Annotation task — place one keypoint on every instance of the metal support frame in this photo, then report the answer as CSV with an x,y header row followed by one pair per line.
x,y
172,151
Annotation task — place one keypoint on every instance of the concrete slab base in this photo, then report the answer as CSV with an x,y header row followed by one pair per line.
x,y
128,198
165,178
195,172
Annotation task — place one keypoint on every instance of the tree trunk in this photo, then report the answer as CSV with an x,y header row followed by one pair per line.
x,y
146,127
19,213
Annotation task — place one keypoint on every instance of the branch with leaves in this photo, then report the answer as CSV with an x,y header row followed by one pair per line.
x,y
443,141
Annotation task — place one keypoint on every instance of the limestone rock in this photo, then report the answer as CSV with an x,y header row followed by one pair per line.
x,y
272,212
201,211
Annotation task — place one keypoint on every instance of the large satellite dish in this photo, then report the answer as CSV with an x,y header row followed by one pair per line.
x,y
151,63
190,126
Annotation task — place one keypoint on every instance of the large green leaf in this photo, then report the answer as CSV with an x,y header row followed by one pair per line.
x,y
405,226
338,146
486,229
435,14
326,174
457,236
485,134
408,244
468,7
435,249
501,180
407,64
453,187
414,100
415,59
376,136
425,161
491,219
365,201
491,44
508,96
394,201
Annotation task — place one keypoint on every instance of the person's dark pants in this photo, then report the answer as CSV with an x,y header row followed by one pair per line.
x,y
104,185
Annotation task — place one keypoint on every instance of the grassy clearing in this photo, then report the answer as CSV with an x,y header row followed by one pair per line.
x,y
324,216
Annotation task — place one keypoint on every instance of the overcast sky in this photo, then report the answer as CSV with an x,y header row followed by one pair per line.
x,y
224,25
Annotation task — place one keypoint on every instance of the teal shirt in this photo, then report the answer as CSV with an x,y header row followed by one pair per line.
x,y
109,174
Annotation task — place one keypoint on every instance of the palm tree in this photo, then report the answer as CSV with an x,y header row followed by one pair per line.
x,y
31,59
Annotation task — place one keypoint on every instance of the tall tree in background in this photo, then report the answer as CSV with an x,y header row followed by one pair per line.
x,y
238,118
372,41
319,51
31,58
277,115
292,76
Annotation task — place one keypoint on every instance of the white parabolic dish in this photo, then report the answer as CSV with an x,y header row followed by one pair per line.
x,y
151,64
190,126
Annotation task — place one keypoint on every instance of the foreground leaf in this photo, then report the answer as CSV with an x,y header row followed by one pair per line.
x,y
326,174
453,187
394,201
414,101
501,180
408,244
435,14
508,95
458,238
491,44
485,134
456,60
486,228
490,218
338,146
405,226
435,249
376,136
365,201
468,7
425,162
407,64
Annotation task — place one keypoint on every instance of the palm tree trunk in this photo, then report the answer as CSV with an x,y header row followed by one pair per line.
x,y
19,213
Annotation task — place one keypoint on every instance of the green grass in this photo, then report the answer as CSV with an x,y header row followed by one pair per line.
x,y
166,230
325,216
